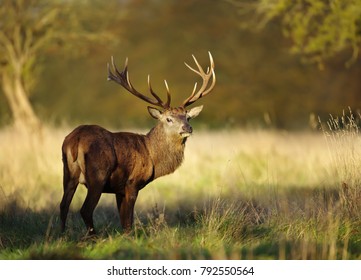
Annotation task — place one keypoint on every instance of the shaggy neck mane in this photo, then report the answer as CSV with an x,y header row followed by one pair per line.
x,y
166,151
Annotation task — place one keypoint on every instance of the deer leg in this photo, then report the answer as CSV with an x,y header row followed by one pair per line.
x,y
70,183
127,208
119,198
69,190
86,211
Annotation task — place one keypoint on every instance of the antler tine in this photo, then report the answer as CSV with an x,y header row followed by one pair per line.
x,y
164,105
167,104
125,66
203,91
123,79
111,76
192,95
199,66
152,92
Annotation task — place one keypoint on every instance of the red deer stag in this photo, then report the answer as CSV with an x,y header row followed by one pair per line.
x,y
123,163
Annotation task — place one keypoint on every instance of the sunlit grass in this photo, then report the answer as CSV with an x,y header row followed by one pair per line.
x,y
239,194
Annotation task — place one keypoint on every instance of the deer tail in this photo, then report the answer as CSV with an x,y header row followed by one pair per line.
x,y
70,148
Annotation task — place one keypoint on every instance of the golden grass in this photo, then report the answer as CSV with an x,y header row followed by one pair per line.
x,y
219,163
296,193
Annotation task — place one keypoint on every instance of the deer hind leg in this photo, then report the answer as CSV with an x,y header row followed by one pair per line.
x,y
69,190
87,210
96,177
70,184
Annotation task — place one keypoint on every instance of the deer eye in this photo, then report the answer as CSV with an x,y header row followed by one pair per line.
x,y
169,120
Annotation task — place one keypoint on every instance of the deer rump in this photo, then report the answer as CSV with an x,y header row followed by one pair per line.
x,y
95,157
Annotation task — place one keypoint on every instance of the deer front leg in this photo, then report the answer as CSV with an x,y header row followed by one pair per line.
x,y
126,207
119,198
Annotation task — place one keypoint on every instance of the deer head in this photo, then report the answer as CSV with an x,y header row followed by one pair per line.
x,y
174,119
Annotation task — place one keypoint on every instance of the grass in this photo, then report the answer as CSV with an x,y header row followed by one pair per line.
x,y
238,195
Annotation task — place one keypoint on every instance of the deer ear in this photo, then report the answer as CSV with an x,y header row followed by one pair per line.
x,y
192,113
155,113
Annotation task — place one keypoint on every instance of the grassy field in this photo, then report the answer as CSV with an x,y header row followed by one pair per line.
x,y
238,195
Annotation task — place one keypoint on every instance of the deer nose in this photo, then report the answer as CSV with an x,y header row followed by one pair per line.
x,y
187,128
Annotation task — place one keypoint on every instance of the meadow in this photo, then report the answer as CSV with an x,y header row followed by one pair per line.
x,y
240,194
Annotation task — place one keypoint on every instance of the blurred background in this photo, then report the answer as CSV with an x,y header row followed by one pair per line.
x,y
279,64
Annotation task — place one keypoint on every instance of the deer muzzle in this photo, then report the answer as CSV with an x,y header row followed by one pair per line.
x,y
187,130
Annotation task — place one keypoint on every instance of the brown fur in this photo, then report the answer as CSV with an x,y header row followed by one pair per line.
x,y
121,163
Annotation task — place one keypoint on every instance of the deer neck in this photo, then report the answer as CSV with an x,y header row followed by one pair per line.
x,y
166,151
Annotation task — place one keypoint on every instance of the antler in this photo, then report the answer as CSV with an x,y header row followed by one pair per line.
x,y
203,90
122,78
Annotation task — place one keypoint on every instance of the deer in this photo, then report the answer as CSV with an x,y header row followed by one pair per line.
x,y
123,163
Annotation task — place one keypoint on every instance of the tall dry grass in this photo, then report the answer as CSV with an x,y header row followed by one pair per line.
x,y
222,163
30,168
238,194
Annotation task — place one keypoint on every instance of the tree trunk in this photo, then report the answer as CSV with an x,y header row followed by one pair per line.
x,y
23,114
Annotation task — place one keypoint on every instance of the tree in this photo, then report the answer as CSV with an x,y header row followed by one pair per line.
x,y
318,29
28,28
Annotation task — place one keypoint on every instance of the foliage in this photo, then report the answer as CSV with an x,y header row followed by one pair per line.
x,y
27,30
30,28
259,83
318,29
